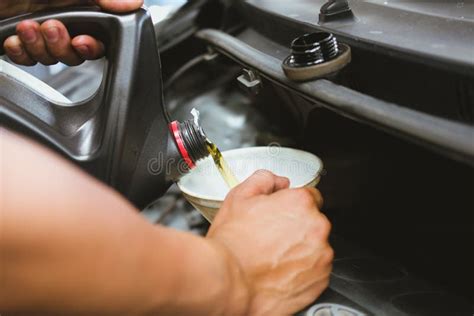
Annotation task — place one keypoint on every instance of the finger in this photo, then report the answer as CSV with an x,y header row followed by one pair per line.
x,y
325,226
88,47
30,35
16,52
119,6
58,43
300,198
316,195
281,183
261,182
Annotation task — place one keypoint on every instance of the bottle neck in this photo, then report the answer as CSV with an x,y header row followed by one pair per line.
x,y
190,140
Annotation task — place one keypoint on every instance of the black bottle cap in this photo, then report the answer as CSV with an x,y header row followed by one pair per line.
x,y
191,141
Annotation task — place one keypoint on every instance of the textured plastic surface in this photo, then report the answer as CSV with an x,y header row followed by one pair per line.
x,y
27,79
121,134
436,33
446,136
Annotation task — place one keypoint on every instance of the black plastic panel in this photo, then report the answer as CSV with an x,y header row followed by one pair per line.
x,y
436,33
122,128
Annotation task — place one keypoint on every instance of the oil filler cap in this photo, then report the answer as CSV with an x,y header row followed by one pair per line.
x,y
315,55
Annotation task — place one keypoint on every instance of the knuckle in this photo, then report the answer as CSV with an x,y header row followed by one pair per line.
x,y
233,194
236,194
329,255
327,223
230,196
324,225
304,197
232,200
321,227
318,193
318,196
262,173
323,220
229,199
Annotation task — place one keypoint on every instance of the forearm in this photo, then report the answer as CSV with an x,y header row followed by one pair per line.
x,y
110,268
71,262
206,280
70,244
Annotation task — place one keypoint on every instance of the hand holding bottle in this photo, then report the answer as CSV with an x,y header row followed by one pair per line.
x,y
50,42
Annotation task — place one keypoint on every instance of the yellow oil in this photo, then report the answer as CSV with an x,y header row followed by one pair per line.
x,y
221,165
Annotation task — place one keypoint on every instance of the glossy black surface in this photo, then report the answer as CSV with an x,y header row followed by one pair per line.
x,y
311,49
121,134
437,33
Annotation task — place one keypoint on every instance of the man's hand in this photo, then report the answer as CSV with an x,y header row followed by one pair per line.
x,y
280,238
50,42
266,252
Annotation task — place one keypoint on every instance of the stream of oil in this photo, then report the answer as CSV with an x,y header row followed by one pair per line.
x,y
221,165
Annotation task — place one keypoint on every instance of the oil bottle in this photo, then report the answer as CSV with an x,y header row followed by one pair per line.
x,y
122,135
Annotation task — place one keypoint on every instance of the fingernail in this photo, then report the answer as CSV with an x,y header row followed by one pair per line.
x,y
83,50
52,34
15,50
28,35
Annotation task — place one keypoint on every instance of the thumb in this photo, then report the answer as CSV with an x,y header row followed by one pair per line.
x,y
121,6
261,182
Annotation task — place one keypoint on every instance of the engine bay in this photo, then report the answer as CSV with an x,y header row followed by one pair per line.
x,y
394,128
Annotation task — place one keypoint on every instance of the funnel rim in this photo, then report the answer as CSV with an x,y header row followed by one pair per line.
x,y
211,199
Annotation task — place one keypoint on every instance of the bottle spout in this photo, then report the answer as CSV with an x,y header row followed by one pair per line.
x,y
190,141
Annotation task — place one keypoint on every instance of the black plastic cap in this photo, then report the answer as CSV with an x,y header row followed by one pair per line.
x,y
194,140
312,49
